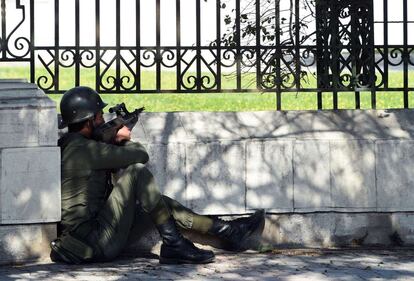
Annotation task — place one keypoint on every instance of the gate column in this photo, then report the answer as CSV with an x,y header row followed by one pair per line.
x,y
29,172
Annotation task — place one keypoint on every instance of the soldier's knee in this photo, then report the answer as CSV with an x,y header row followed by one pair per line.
x,y
138,169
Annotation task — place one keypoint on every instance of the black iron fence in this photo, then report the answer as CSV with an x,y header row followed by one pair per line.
x,y
260,46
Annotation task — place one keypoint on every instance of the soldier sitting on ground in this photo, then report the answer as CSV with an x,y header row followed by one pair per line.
x,y
98,214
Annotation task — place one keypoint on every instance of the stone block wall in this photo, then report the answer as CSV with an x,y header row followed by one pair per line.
x,y
29,171
325,178
231,163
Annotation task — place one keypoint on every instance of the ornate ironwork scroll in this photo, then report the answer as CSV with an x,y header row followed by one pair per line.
x,y
47,78
271,46
13,44
345,44
193,80
111,80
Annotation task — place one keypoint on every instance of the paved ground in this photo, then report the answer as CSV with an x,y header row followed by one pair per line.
x,y
285,265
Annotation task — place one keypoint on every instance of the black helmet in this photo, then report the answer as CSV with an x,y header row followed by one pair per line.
x,y
79,104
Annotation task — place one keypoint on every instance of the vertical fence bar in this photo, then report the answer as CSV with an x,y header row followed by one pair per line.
x,y
158,43
77,37
354,63
297,43
355,49
138,44
372,60
335,50
178,41
238,45
278,56
218,38
198,43
385,8
3,29
57,39
405,55
373,99
319,51
118,45
32,43
97,44
258,51
355,39
357,100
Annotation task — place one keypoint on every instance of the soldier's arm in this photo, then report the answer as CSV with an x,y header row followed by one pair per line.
x,y
108,156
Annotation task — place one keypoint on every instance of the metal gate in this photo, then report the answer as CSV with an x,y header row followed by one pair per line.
x,y
341,50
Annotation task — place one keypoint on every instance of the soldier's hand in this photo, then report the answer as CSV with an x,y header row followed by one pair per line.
x,y
124,134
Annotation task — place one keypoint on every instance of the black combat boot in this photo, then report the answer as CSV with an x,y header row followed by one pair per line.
x,y
176,249
235,233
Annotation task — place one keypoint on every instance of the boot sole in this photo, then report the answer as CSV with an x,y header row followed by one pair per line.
x,y
184,261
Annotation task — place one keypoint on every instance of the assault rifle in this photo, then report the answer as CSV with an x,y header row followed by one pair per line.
x,y
107,131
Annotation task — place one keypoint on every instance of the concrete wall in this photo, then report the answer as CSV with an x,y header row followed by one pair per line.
x,y
231,163
326,179
330,178
29,171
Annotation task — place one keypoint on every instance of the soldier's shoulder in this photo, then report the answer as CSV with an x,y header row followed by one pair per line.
x,y
72,139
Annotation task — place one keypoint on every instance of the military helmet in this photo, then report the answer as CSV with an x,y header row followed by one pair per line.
x,y
79,104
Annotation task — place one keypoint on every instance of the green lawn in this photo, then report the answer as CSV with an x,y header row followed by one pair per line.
x,y
222,101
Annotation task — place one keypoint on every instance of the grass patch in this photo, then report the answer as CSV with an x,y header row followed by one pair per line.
x,y
170,102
